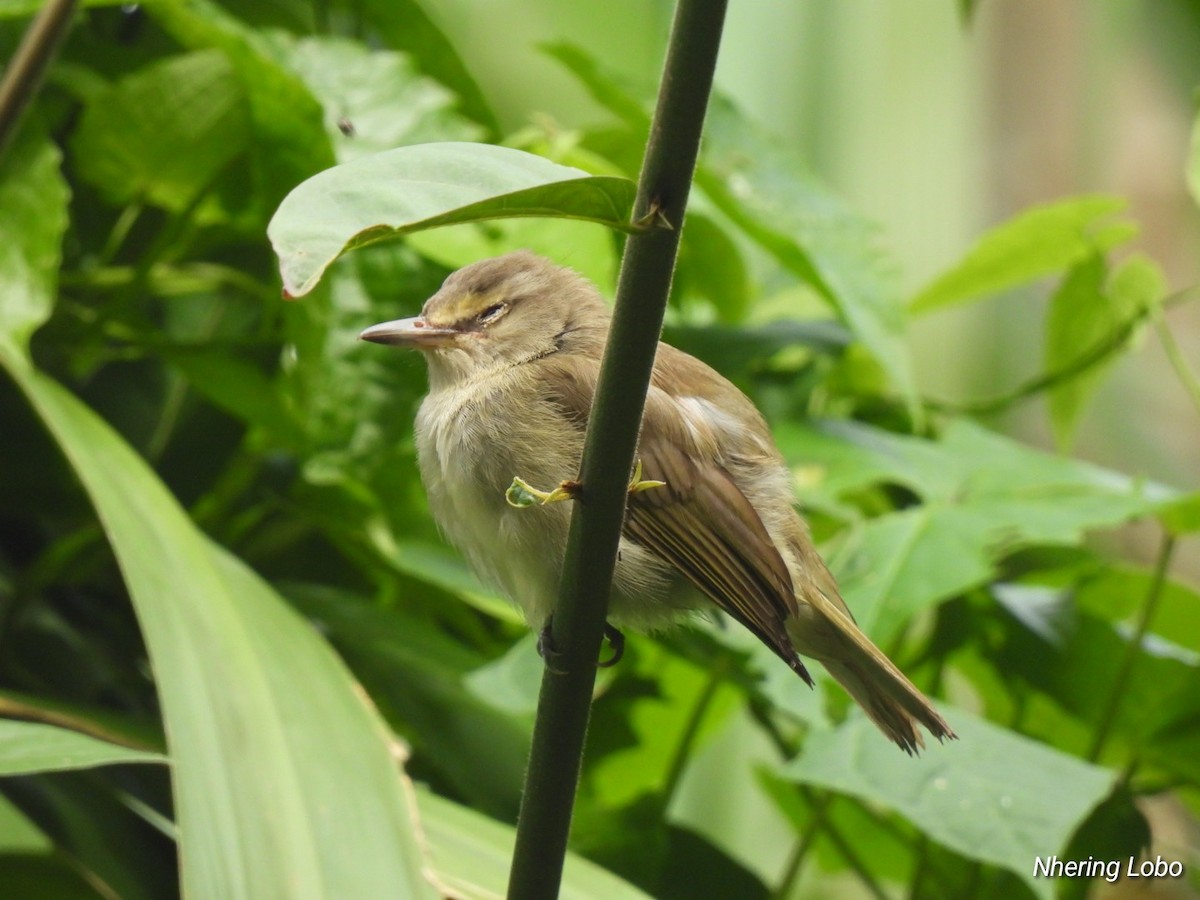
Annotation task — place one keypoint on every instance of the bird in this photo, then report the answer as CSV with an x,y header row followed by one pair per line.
x,y
513,347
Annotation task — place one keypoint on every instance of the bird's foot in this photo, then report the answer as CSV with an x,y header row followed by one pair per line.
x,y
549,652
546,648
637,485
522,494
616,640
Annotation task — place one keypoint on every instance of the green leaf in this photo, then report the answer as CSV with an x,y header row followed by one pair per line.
x,y
1089,311
285,121
1181,516
770,194
721,775
421,681
163,133
411,188
405,25
33,216
1038,242
373,99
471,857
29,747
984,496
711,266
282,774
992,795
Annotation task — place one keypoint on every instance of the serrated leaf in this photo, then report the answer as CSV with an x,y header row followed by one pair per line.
x,y
993,795
388,194
1037,242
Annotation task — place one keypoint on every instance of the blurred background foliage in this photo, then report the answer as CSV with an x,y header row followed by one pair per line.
x,y
991,430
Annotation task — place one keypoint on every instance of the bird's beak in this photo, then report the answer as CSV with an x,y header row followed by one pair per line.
x,y
414,332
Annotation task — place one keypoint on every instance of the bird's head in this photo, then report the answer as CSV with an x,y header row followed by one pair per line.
x,y
497,313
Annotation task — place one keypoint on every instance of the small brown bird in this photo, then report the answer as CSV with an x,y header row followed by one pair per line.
x,y
513,346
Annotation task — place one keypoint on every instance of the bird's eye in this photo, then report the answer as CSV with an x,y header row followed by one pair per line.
x,y
491,313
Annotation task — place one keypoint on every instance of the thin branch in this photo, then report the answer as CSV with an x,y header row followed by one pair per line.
x,y
1121,681
1171,347
646,269
29,64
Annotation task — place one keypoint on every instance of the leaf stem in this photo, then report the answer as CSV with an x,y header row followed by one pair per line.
x,y
1121,681
579,617
1183,371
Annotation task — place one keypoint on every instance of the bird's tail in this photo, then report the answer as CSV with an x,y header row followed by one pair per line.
x,y
881,689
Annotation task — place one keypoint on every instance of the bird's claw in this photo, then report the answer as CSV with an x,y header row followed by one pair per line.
x,y
616,640
549,652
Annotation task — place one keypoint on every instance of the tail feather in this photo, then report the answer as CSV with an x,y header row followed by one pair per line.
x,y
876,684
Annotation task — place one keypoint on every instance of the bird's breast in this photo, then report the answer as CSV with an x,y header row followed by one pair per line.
x,y
471,443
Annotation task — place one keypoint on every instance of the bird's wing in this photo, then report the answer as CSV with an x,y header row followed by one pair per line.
x,y
700,521
705,527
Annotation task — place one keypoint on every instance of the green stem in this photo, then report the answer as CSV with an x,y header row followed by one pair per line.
x,y
691,729
24,74
1097,353
1117,691
851,857
647,266
1191,382
787,883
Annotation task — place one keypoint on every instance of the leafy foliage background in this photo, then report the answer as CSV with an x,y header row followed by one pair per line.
x,y
137,199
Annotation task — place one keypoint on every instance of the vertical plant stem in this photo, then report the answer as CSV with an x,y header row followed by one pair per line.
x,y
1117,691
24,74
646,269
1178,362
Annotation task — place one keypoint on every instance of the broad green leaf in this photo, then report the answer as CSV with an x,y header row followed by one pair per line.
x,y
472,854
1037,242
1157,700
771,195
1088,311
33,216
984,496
285,121
284,782
315,786
992,795
385,195
420,678
411,26
373,99
768,192
164,133
29,747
